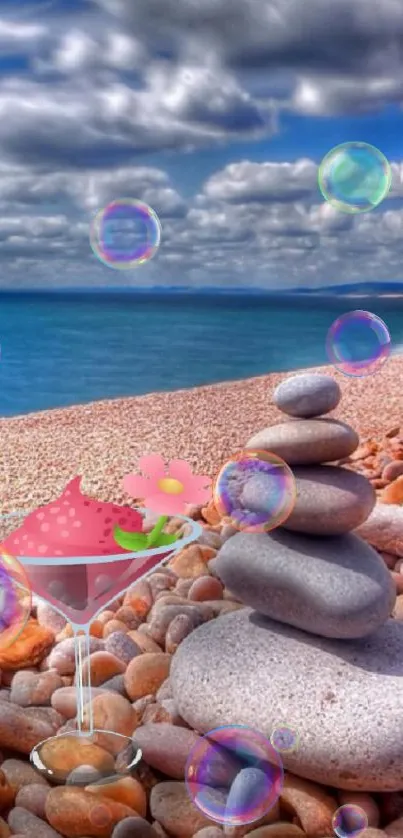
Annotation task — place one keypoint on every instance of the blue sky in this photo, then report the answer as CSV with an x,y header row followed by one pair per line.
x,y
216,113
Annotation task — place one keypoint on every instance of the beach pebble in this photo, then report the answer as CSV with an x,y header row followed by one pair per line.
x,y
125,790
392,470
28,649
31,688
139,597
64,754
311,805
83,775
191,561
48,617
33,798
307,395
384,529
145,674
25,822
127,615
22,728
330,501
20,774
171,805
310,442
75,812
351,686
209,832
178,629
336,587
64,700
103,666
363,801
205,588
122,646
395,829
143,640
116,684
166,747
163,616
113,712
7,792
62,657
134,828
114,626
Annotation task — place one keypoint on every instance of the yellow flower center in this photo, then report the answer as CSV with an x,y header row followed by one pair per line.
x,y
170,486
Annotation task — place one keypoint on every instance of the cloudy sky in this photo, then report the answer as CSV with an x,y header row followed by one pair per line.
x,y
214,112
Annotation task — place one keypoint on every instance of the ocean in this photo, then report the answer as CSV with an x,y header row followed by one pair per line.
x,y
71,348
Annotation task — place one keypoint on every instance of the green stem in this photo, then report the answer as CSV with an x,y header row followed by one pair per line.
x,y
156,531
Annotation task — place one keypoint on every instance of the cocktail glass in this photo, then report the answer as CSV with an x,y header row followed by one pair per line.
x,y
79,588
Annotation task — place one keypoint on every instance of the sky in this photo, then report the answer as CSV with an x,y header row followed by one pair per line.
x,y
217,114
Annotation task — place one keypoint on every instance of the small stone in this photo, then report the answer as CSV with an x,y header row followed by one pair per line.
x,y
350,687
310,804
20,774
330,501
211,514
83,775
49,618
144,641
209,832
20,820
363,801
164,615
116,684
114,626
384,529
64,700
171,805
75,813
145,674
65,754
166,747
7,792
33,799
62,657
398,580
205,588
308,442
30,647
307,395
395,829
398,609
140,598
134,828
127,615
192,560
161,582
113,712
333,587
122,646
21,729
394,492
31,688
103,666
125,790
178,629
392,470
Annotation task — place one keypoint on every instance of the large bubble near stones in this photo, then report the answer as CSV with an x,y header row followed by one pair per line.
x,y
358,343
15,599
255,490
233,775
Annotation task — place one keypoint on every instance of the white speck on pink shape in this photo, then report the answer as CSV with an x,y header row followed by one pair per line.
x,y
61,519
16,541
40,516
64,533
77,524
30,545
45,527
43,548
72,512
58,553
24,537
68,493
54,510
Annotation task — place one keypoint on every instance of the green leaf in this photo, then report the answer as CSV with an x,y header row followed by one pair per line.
x,y
132,541
165,539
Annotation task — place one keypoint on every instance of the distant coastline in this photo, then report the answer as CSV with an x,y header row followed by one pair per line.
x,y
365,290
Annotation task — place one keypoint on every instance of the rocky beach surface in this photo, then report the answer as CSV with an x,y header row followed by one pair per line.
x,y
302,626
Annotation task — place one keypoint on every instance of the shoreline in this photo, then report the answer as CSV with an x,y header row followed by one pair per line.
x,y
205,425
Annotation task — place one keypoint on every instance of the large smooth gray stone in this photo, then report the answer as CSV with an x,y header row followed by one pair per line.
x,y
344,698
330,501
307,441
307,395
334,587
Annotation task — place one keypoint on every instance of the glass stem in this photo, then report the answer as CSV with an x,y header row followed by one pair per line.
x,y
83,681
155,532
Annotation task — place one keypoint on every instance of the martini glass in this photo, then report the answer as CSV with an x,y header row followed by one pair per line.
x,y
79,588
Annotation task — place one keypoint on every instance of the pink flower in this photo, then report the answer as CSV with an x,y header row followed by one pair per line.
x,y
166,491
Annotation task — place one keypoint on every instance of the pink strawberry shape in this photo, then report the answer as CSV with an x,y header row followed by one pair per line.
x,y
73,525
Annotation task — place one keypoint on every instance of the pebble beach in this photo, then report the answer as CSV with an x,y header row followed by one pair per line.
x,y
198,644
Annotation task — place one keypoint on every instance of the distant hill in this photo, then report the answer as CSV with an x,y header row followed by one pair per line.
x,y
372,288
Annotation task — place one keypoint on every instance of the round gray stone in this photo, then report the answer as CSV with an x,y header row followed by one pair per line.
x,y
345,698
307,441
330,501
306,395
334,587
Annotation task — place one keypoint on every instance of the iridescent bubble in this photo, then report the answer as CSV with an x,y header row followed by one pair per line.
x,y
124,234
358,343
255,490
349,821
15,599
233,775
354,177
284,739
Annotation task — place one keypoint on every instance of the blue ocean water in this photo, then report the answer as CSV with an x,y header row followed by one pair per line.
x,y
70,348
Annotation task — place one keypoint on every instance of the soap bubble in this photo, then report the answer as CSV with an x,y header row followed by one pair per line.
x,y
15,599
284,739
255,490
233,775
354,177
349,821
124,234
358,343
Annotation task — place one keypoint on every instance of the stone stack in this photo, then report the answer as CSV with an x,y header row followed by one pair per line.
x,y
318,651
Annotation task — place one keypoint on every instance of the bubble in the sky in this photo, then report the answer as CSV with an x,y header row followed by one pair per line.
x,y
256,490
354,177
233,775
124,234
358,343
15,599
349,821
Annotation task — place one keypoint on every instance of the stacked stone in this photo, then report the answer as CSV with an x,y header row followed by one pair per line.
x,y
318,650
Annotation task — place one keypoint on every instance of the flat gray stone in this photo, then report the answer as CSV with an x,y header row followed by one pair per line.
x,y
307,395
345,698
334,587
330,501
307,441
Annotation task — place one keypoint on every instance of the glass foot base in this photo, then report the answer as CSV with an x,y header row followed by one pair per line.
x,y
79,758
